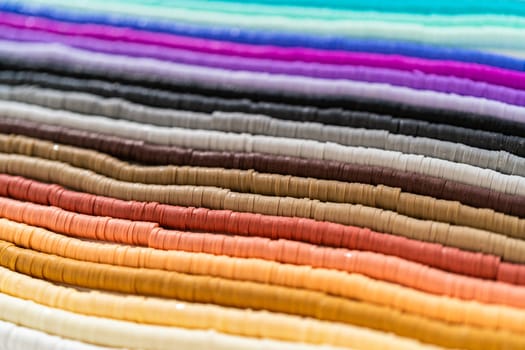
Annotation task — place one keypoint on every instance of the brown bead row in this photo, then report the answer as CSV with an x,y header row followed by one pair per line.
x,y
139,151
509,249
272,185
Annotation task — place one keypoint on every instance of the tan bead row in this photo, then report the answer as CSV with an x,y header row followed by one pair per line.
x,y
273,185
221,141
510,249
